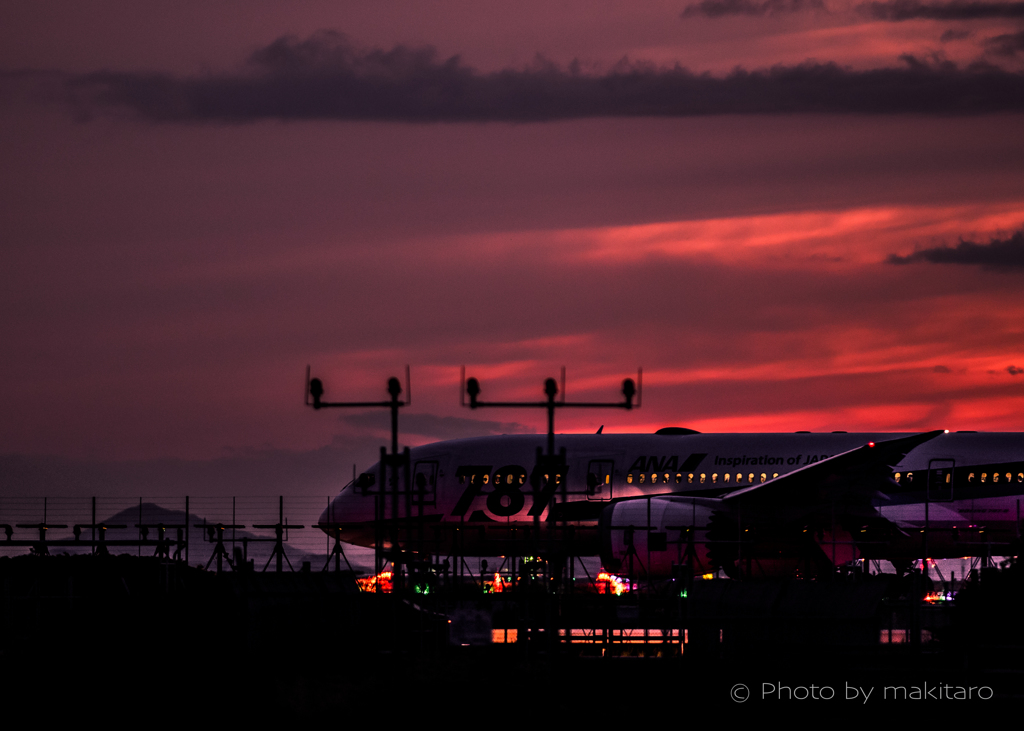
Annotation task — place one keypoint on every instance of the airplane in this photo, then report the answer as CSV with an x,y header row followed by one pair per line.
x,y
678,502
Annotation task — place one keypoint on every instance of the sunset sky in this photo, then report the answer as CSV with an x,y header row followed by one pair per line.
x,y
793,214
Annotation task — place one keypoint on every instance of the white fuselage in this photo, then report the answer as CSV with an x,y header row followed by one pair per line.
x,y
485,493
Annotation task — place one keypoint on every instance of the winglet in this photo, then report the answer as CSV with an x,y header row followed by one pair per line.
x,y
890,453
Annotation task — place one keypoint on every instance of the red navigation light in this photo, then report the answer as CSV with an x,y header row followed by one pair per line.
x,y
871,444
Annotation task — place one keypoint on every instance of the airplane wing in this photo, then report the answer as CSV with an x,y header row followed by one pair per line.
x,y
853,477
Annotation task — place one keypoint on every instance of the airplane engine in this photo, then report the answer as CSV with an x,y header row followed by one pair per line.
x,y
657,536
668,537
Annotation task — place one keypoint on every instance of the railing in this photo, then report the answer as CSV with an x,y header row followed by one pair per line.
x,y
179,527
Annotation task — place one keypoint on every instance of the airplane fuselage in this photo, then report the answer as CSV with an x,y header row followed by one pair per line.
x,y
490,496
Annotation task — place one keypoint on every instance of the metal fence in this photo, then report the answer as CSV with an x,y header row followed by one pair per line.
x,y
76,525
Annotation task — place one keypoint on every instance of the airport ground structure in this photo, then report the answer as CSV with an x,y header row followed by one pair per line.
x,y
132,594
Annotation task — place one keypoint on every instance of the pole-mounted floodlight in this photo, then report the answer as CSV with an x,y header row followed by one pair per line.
x,y
552,468
471,387
394,461
315,394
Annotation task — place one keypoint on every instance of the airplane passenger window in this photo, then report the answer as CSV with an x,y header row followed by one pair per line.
x,y
897,477
750,477
970,477
702,478
910,477
508,475
1009,477
629,479
774,475
983,476
487,478
462,479
643,477
689,479
714,477
679,477
666,478
995,477
1020,477
654,478
763,477
725,477
739,477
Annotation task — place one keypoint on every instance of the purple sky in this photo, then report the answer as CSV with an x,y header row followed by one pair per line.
x,y
199,200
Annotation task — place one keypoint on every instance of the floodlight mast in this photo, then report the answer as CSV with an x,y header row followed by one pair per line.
x,y
315,392
314,397
471,387
552,469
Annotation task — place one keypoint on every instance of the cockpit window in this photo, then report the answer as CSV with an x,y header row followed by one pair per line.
x,y
366,481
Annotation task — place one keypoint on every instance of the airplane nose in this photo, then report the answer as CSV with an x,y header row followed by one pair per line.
x,y
350,514
332,515
349,517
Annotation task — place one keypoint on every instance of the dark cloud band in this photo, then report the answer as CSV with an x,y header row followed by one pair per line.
x,y
437,427
723,8
996,254
898,10
325,77
1008,44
